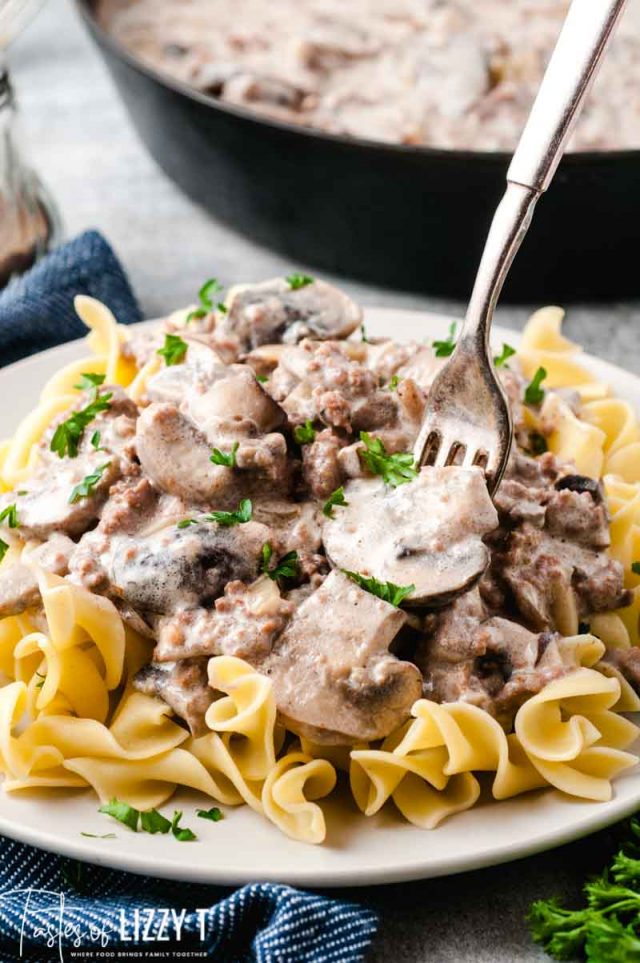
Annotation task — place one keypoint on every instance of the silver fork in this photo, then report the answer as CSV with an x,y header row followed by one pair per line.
x,y
467,419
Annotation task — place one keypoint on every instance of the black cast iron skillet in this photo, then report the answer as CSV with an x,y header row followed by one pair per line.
x,y
408,217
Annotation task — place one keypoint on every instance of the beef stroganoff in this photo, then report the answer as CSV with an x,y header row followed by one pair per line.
x,y
185,601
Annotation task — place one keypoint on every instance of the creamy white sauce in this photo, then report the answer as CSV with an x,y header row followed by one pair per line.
x,y
448,74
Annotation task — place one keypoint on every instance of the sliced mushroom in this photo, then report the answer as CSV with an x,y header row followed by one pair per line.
x,y
273,311
184,686
426,533
333,676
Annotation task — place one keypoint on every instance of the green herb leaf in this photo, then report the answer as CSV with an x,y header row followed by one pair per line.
x,y
186,522
335,498
297,281
445,348
387,591
262,379
10,516
537,443
534,393
222,458
181,833
214,814
90,380
397,469
42,680
68,434
173,350
4,548
501,359
287,567
635,568
363,334
88,483
151,821
123,812
304,434
393,383
96,836
222,308
205,299
242,514
95,441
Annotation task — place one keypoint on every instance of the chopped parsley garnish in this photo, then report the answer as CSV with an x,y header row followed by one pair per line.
x,y
336,498
445,348
150,821
262,379
387,591
537,443
205,300
635,568
186,522
363,334
90,380
297,281
123,812
95,441
396,469
501,359
68,434
42,680
534,392
173,350
96,836
242,514
153,822
10,516
88,483
304,434
214,814
287,567
228,459
181,833
4,548
222,308
393,383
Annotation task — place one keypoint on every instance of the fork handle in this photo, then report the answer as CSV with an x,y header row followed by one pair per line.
x,y
584,38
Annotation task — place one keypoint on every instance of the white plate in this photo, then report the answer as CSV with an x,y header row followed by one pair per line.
x,y
245,847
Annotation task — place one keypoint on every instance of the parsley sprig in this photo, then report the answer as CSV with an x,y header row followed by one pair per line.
x,y
147,821
304,434
173,349
240,516
445,348
635,568
90,380
500,360
287,567
396,469
608,927
228,459
387,591
69,433
297,280
336,498
214,814
393,382
85,488
10,516
4,548
534,392
205,300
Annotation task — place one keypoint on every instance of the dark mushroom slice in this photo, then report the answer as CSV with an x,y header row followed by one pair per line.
x,y
334,679
274,311
184,686
426,533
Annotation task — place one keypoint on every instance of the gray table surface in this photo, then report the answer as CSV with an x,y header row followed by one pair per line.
x,y
78,136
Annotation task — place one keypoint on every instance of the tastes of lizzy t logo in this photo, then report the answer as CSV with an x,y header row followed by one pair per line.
x,y
43,918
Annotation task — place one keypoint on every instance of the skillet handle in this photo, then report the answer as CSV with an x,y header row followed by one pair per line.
x,y
584,38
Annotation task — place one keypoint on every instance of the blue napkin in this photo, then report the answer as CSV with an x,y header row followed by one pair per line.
x,y
51,907
36,310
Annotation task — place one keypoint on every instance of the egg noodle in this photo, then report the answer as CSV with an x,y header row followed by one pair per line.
x,y
70,717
